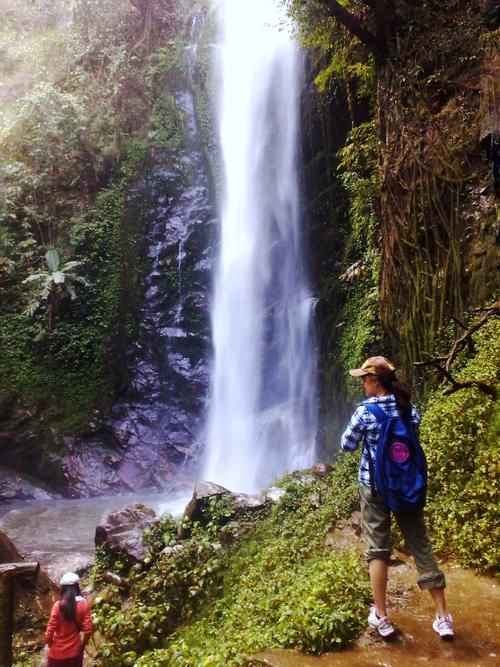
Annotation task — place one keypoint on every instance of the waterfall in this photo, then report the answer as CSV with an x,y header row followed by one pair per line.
x,y
262,412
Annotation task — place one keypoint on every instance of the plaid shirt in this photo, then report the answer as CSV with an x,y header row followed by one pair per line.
x,y
363,425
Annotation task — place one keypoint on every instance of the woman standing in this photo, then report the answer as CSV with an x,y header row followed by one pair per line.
x,y
70,616
393,396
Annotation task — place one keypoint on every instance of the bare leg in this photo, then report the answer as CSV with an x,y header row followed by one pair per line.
x,y
438,596
378,579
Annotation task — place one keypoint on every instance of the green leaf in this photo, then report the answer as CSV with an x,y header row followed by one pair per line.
x,y
34,276
58,277
52,259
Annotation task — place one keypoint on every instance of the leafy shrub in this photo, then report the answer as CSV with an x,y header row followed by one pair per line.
x,y
460,433
275,586
163,596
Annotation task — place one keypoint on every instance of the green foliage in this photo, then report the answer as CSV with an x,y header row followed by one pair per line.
x,y
216,514
361,334
313,605
87,88
165,595
85,92
74,364
163,534
54,285
165,75
276,585
460,433
345,58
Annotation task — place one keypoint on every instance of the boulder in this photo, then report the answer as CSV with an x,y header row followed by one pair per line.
x,y
202,493
123,531
274,494
321,469
243,502
15,487
8,550
73,562
45,588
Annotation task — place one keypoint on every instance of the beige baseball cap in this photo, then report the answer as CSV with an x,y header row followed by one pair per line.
x,y
374,366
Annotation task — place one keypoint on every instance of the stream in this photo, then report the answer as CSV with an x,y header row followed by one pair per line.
x,y
475,605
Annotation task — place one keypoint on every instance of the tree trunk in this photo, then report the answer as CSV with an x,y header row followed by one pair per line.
x,y
6,619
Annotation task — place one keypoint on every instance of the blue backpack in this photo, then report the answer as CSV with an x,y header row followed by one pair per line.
x,y
400,469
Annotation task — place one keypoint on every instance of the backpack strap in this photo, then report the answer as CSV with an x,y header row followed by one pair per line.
x,y
380,416
376,411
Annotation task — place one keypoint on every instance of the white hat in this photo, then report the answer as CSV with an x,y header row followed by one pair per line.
x,y
69,579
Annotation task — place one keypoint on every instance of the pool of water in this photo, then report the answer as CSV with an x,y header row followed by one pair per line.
x,y
49,529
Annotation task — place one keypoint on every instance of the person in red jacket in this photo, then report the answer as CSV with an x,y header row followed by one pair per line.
x,y
70,616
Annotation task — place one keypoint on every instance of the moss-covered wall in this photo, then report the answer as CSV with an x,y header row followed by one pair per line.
x,y
398,191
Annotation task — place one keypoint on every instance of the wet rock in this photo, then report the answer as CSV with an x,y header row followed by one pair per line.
x,y
15,487
203,491
26,444
152,429
123,531
243,503
322,469
8,550
74,562
274,494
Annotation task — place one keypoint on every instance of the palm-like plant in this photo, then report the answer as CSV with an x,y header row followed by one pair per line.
x,y
55,284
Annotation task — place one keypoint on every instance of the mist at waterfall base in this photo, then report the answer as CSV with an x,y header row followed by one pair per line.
x,y
263,410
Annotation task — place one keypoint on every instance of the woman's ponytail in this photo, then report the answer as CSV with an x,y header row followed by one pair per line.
x,y
402,393
68,601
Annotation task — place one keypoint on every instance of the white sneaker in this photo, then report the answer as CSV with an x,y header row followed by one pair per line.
x,y
382,625
443,625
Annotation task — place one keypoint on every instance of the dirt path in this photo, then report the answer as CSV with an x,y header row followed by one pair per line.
x,y
474,602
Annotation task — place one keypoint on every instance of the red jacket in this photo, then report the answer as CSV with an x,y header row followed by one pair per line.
x,y
62,636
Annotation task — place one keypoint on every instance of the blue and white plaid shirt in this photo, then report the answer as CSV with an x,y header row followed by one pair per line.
x,y
363,425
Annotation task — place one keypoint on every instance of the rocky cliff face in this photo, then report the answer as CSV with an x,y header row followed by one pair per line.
x,y
154,426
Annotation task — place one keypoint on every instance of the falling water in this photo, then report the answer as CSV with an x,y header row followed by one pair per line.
x,y
262,415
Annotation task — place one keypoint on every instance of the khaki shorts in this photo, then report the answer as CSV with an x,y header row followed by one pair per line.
x,y
376,524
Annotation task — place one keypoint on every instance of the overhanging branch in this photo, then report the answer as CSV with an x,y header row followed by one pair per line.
x,y
443,364
354,26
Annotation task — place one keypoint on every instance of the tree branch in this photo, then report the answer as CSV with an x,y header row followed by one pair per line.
x,y
455,384
354,26
443,364
466,338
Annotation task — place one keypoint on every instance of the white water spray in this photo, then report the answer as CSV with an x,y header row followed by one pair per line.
x,y
262,414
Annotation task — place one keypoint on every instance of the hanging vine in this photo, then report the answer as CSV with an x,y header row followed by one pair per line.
x,y
428,120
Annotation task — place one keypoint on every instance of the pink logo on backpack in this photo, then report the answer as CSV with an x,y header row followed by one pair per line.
x,y
399,452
